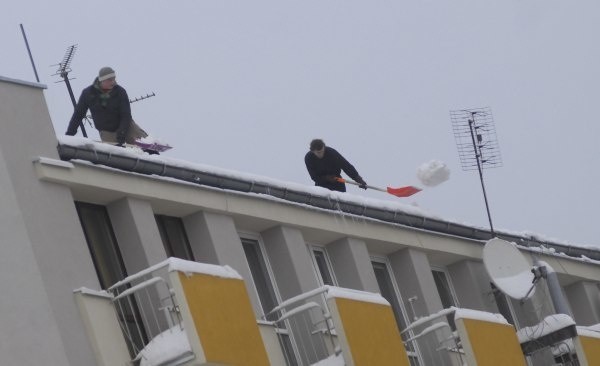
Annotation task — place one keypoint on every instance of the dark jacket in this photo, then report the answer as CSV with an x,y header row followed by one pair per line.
x,y
331,164
111,111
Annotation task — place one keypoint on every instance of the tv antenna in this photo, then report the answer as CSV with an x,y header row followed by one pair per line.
x,y
64,68
137,99
478,148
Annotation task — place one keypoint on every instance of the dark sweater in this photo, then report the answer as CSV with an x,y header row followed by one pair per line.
x,y
111,111
331,164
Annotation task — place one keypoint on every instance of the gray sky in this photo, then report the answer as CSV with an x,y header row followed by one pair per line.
x,y
245,85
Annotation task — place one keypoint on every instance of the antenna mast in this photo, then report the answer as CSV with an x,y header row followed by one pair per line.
x,y
29,52
477,145
64,67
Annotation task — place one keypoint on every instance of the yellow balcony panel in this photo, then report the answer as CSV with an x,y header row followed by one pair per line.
x,y
366,328
217,315
588,346
488,339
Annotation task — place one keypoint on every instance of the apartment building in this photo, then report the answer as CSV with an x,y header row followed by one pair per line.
x,y
86,227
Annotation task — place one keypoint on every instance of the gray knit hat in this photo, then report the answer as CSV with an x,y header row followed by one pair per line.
x,y
106,73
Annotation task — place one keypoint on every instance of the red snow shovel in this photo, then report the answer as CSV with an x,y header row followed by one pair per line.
x,y
398,192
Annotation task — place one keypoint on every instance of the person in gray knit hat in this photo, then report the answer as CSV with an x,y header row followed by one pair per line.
x,y
109,105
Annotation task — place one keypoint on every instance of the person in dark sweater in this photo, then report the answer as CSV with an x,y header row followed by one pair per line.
x,y
111,112
325,165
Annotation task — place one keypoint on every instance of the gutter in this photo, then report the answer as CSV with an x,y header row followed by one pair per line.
x,y
142,166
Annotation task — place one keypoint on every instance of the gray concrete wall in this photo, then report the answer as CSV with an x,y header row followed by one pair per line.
x,y
137,233
584,299
290,261
215,240
43,252
472,286
412,272
413,275
295,274
141,247
351,264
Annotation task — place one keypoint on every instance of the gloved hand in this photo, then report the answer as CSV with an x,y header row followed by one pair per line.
x,y
121,134
361,183
331,178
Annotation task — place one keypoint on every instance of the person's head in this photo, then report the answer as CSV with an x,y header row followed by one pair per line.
x,y
107,78
317,147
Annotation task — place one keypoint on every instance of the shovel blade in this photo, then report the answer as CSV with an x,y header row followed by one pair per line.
x,y
403,191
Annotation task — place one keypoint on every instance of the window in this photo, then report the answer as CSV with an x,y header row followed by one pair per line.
x,y
109,265
389,291
266,293
102,243
386,286
322,266
174,238
260,275
446,293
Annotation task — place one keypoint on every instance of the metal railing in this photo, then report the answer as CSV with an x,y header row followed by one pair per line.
x,y
437,342
146,308
306,332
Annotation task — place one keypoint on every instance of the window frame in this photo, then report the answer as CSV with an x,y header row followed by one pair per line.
x,y
268,269
312,248
413,355
168,246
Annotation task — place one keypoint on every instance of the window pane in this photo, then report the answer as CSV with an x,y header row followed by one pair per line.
x,y
322,267
174,238
386,287
102,243
109,265
443,287
260,275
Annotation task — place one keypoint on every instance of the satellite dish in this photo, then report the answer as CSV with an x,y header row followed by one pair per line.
x,y
508,268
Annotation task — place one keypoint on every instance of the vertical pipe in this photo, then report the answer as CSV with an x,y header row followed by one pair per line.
x,y
29,52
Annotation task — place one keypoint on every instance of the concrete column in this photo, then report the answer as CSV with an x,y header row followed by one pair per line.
x,y
584,299
137,233
412,272
215,240
352,264
295,274
472,286
141,247
290,261
413,275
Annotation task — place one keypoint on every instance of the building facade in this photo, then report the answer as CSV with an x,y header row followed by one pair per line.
x,y
78,214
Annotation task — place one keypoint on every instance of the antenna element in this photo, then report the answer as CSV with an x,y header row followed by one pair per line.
x,y
477,145
64,67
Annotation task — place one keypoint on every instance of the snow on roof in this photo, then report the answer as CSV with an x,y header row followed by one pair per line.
x,y
76,141
395,206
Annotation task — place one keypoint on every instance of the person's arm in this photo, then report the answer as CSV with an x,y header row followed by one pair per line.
x,y
124,116
80,109
349,169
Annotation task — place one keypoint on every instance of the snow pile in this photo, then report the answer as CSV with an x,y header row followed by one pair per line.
x,y
168,345
332,360
433,173
550,324
479,315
